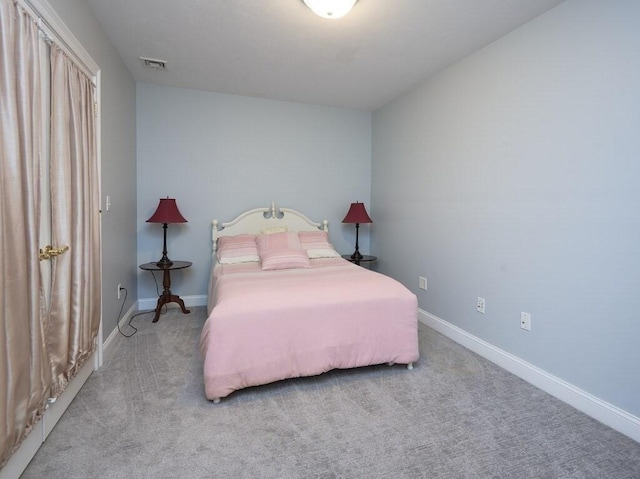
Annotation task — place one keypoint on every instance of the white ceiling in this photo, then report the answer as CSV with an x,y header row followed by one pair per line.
x,y
279,49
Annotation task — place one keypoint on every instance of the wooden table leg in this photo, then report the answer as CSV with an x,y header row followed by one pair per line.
x,y
167,297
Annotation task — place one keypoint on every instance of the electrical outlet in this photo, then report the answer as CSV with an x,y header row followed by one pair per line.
x,y
422,282
525,321
480,305
119,289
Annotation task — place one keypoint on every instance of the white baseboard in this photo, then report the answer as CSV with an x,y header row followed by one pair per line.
x,y
194,300
602,411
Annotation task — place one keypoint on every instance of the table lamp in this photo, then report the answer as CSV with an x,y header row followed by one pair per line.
x,y
357,214
167,212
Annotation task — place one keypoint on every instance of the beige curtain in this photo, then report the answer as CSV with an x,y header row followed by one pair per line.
x,y
40,350
25,376
75,208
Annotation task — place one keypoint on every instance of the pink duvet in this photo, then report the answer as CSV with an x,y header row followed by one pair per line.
x,y
271,325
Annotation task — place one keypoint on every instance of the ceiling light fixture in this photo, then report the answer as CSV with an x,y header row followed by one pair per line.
x,y
330,8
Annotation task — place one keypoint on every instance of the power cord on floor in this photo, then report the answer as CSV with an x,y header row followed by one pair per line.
x,y
124,300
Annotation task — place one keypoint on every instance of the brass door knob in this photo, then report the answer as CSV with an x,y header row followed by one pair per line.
x,y
51,252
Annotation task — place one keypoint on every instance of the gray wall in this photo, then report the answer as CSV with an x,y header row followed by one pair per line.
x,y
513,175
220,155
118,173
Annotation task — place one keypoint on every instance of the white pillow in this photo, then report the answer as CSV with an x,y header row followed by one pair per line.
x,y
323,253
275,229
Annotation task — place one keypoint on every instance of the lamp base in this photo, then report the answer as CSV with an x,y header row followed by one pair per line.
x,y
164,262
356,255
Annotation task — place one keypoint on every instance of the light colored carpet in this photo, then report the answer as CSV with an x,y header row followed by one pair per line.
x,y
144,415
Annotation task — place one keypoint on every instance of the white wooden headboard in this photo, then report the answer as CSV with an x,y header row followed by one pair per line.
x,y
257,220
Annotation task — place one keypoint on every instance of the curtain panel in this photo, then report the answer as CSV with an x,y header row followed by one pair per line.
x,y
74,316
25,374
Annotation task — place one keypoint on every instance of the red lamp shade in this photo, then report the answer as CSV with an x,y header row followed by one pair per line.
x,y
357,214
167,212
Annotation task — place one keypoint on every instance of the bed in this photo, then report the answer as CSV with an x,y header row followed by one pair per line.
x,y
283,304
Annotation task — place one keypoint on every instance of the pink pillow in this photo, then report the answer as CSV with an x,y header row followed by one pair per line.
x,y
313,239
288,258
317,244
278,241
237,249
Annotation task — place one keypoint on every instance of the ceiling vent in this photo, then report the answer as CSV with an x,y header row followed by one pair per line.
x,y
154,63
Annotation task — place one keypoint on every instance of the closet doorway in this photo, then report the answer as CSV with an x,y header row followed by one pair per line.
x,y
50,225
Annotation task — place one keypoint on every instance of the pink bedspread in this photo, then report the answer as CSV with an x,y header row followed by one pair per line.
x,y
271,325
